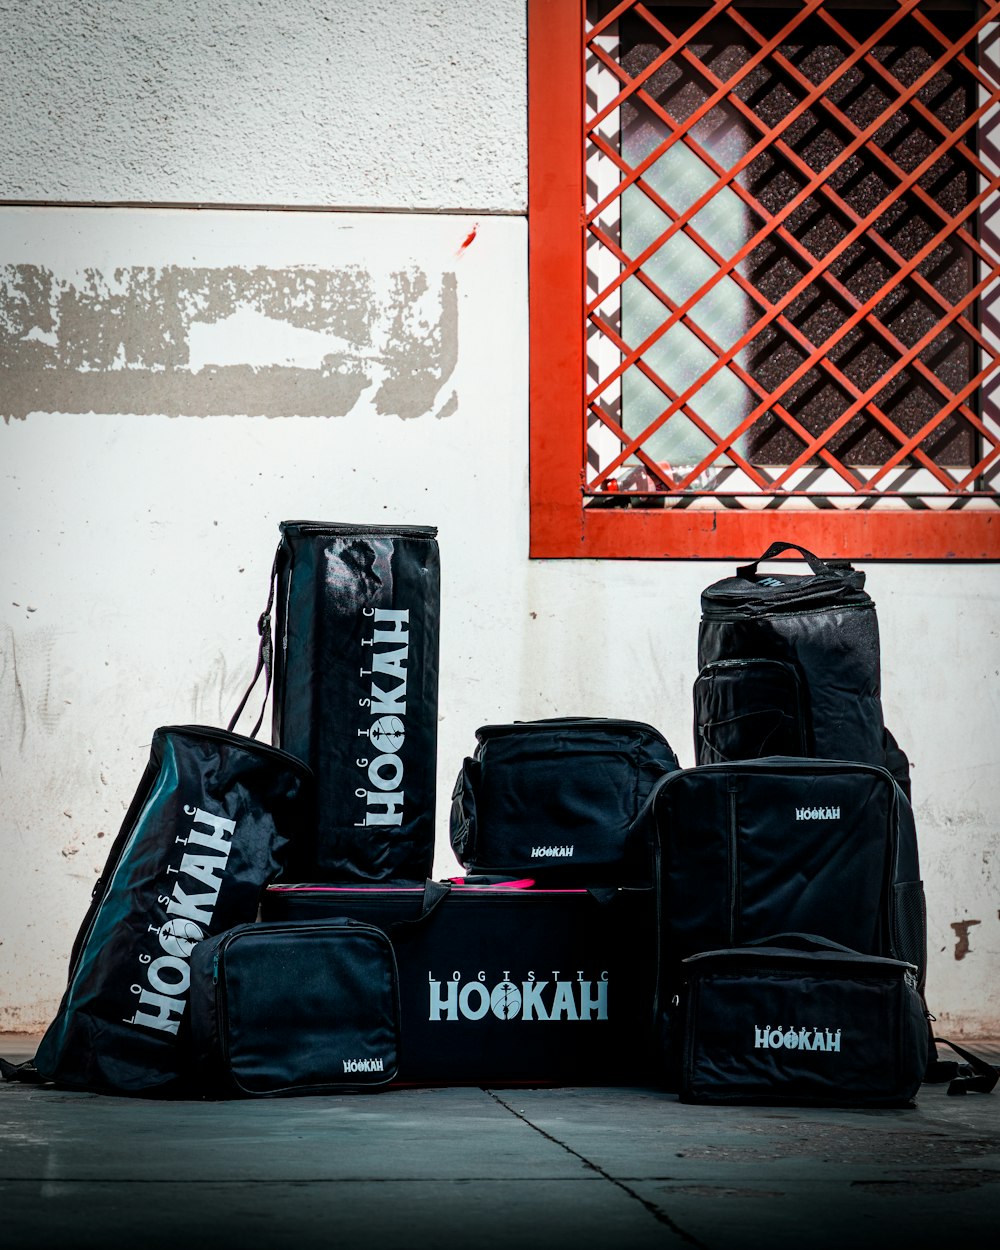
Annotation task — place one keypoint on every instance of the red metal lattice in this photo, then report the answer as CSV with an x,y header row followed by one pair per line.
x,y
776,52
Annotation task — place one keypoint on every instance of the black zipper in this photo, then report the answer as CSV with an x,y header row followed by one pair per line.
x,y
568,722
733,853
723,613
211,734
334,527
274,928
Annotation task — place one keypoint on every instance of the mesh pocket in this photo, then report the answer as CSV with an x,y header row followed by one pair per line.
x,y
910,924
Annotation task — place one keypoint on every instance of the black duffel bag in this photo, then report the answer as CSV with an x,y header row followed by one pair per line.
x,y
501,985
559,800
207,830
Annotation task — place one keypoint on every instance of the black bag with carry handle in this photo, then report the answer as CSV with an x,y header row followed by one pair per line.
x,y
355,692
795,1019
207,829
790,664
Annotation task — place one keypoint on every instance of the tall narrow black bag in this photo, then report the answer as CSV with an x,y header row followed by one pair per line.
x,y
790,664
207,829
355,693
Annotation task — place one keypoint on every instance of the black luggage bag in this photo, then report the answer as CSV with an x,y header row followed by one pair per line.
x,y
790,664
294,1007
508,986
784,844
357,611
208,828
797,1020
780,844
559,800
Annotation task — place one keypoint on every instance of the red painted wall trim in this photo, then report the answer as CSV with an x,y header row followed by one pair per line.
x,y
560,525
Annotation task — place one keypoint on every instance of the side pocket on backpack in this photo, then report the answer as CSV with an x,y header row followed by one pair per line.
x,y
746,709
909,925
463,810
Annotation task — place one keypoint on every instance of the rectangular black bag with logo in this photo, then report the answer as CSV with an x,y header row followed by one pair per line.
x,y
357,611
790,664
782,844
787,844
797,1020
559,801
508,986
294,1007
208,828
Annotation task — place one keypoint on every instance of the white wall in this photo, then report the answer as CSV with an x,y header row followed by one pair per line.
x,y
135,545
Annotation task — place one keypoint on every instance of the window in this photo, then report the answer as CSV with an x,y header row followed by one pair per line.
x,y
764,260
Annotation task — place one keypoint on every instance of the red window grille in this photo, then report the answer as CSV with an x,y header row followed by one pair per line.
x,y
763,264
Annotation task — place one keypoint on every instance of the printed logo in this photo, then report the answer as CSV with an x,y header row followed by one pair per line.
x,y
390,648
558,998
817,813
552,852
363,1065
795,1039
187,915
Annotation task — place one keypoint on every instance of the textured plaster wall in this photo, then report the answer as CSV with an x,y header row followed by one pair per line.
x,y
416,103
174,383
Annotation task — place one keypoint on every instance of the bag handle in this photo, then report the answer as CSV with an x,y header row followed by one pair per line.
x,y
435,892
818,566
807,941
265,657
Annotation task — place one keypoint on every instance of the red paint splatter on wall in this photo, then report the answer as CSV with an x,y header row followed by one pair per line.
x,y
469,239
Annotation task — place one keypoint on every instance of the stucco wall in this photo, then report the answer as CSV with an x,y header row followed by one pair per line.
x,y
418,104
177,382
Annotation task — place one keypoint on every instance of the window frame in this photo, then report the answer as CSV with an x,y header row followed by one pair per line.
x,y
560,525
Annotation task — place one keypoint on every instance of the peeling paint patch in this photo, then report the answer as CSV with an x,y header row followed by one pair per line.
x,y
186,341
962,928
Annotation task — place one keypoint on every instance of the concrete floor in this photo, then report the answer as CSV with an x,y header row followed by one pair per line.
x,y
547,1168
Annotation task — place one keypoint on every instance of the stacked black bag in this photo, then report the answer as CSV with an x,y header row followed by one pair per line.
x,y
751,929
792,940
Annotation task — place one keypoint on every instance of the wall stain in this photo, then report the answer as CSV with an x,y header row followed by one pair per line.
x,y
13,707
185,341
962,928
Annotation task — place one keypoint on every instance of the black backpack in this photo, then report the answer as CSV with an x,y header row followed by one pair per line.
x,y
747,850
790,664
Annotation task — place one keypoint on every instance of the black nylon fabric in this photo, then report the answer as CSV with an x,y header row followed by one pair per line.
x,y
819,846
356,693
824,624
772,1025
207,829
559,800
836,650
294,1008
744,709
507,986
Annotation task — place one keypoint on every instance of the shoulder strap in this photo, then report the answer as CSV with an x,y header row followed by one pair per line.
x,y
265,656
973,1076
25,1072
